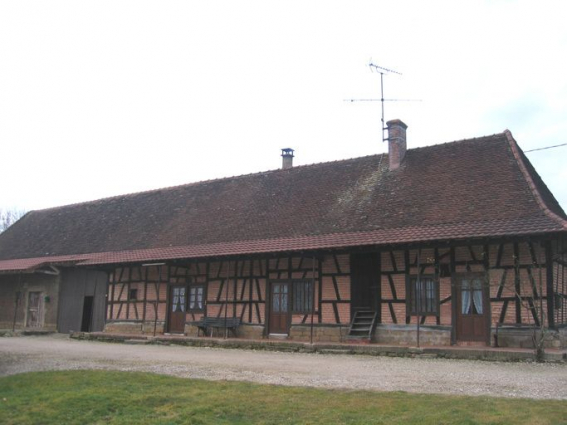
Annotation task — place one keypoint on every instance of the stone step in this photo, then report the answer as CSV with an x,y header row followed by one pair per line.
x,y
136,341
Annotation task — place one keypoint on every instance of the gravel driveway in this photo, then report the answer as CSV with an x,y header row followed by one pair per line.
x,y
58,352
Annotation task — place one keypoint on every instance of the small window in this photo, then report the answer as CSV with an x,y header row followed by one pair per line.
x,y
558,301
444,270
133,294
196,298
302,296
423,297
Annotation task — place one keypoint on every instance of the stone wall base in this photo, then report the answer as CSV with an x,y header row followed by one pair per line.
x,y
250,331
191,330
146,328
524,338
407,335
321,333
6,328
400,335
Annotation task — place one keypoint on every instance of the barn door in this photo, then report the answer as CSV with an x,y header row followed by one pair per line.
x,y
35,313
176,311
472,309
279,308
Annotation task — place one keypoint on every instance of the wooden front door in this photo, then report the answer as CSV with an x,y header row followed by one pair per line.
x,y
35,314
279,308
177,306
365,283
472,309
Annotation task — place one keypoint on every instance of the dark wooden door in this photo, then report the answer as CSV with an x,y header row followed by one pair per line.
x,y
177,306
279,308
365,282
472,309
34,319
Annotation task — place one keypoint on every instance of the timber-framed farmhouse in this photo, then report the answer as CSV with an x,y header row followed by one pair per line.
x,y
462,241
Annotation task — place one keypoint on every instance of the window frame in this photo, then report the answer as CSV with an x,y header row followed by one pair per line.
x,y
134,292
411,280
471,277
189,296
308,293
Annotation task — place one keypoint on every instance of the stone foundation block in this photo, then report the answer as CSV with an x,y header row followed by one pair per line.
x,y
524,337
148,328
250,331
321,333
407,335
191,329
123,328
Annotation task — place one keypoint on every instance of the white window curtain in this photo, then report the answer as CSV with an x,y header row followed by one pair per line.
x,y
178,300
192,297
465,297
477,296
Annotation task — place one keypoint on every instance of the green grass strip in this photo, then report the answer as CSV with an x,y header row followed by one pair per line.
x,y
103,397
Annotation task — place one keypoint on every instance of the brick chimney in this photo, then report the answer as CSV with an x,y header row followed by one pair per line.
x,y
287,158
396,142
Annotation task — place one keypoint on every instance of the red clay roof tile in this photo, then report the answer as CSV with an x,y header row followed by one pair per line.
x,y
473,188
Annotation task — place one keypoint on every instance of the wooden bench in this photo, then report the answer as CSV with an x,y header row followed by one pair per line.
x,y
209,324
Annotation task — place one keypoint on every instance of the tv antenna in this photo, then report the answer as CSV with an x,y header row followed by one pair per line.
x,y
381,70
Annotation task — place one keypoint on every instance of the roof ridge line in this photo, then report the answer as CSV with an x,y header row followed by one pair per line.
x,y
468,139
207,181
74,204
531,184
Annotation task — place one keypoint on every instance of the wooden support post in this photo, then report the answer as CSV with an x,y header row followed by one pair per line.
x,y
235,288
112,295
420,294
486,259
106,298
206,289
128,287
517,286
454,296
320,293
549,286
407,270
312,296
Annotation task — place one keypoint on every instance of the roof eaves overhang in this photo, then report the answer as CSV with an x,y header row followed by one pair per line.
x,y
531,184
422,236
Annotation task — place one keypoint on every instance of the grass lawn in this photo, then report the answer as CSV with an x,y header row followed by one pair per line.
x,y
85,397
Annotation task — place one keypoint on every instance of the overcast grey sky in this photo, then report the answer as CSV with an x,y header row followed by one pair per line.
x,y
110,97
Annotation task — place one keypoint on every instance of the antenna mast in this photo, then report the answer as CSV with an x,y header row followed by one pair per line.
x,y
381,70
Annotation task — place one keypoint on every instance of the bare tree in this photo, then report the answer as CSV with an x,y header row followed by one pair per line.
x,y
9,217
529,289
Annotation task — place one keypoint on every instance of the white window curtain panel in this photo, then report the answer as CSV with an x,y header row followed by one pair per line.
x,y
477,296
465,297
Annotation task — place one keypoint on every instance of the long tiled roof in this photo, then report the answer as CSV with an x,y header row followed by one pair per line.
x,y
474,188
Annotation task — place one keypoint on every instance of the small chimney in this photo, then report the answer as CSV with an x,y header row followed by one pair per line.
x,y
397,144
287,158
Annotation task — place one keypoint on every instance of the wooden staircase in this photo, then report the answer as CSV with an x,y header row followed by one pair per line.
x,y
362,325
